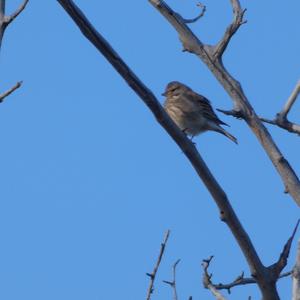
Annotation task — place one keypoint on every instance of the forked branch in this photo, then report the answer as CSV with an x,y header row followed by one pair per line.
x,y
281,119
6,20
173,282
240,280
238,20
282,261
207,283
241,105
291,100
14,15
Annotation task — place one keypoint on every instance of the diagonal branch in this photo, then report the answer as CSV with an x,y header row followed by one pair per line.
x,y
227,213
238,20
291,100
153,274
281,119
173,282
6,20
262,274
9,19
282,261
11,90
192,44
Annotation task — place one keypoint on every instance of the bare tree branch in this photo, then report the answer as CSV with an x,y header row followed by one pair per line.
x,y
173,282
296,276
192,44
284,124
11,90
291,100
282,261
233,113
227,213
238,20
153,274
9,19
203,10
243,107
207,280
6,20
281,119
262,274
240,280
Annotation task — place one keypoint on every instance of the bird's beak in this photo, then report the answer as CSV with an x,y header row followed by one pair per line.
x,y
164,94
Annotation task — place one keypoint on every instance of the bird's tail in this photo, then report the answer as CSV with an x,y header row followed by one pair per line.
x,y
226,133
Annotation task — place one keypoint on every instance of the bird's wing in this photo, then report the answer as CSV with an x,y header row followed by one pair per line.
x,y
205,107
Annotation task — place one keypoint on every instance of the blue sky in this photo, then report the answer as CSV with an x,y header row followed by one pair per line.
x,y
90,182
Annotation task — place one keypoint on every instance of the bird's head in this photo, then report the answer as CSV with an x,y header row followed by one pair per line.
x,y
175,88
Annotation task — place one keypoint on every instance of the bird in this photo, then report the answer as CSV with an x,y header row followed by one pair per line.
x,y
192,112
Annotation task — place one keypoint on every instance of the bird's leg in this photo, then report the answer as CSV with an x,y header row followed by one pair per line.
x,y
192,136
192,140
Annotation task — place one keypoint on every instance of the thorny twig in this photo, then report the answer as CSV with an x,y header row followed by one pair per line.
x,y
153,274
173,282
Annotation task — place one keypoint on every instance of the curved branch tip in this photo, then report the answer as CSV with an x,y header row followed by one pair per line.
x,y
15,14
203,10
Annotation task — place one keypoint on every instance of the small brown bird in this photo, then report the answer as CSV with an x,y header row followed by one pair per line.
x,y
192,112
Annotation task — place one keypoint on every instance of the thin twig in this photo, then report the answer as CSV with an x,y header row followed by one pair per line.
x,y
153,274
173,282
282,261
281,119
238,20
203,10
233,113
282,123
291,100
11,90
240,280
9,19
6,20
207,280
